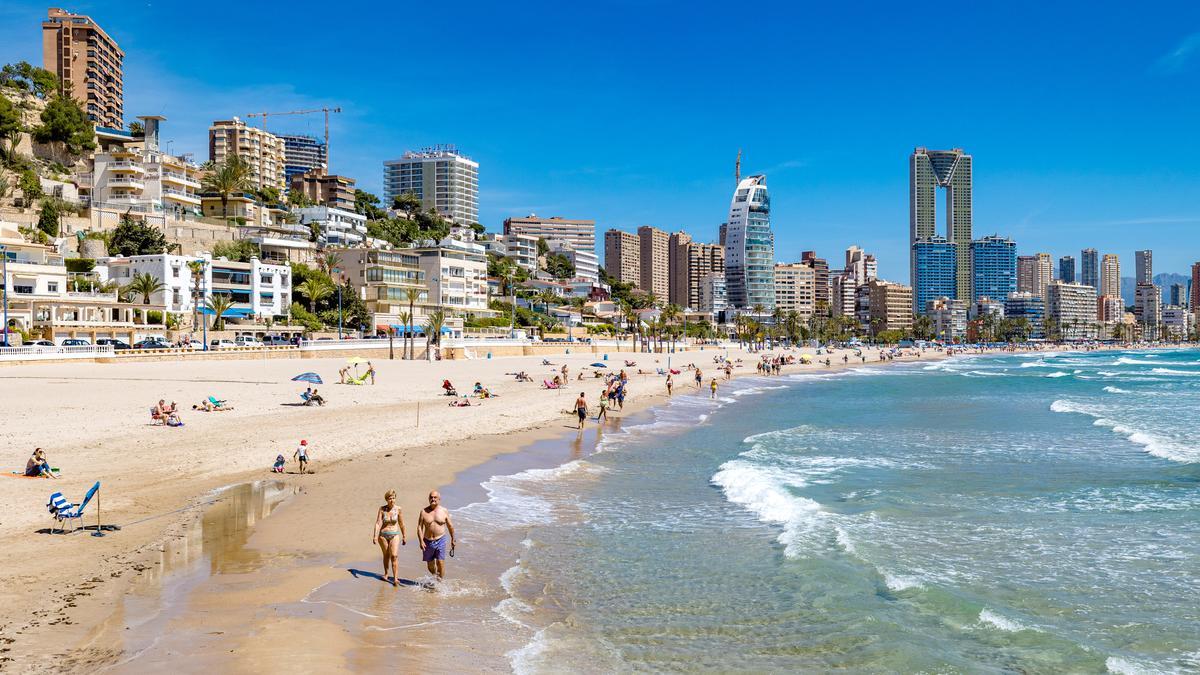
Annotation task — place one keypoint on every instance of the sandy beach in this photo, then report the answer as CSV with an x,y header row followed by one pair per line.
x,y
67,599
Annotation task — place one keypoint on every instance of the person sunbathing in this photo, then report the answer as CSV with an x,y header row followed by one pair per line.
x,y
311,396
460,403
38,466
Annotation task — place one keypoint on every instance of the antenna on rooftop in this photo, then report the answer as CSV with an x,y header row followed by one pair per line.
x,y
737,169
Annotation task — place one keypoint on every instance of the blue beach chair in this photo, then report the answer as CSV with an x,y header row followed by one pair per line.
x,y
62,509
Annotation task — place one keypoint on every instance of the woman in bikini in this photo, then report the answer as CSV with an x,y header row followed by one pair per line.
x,y
389,527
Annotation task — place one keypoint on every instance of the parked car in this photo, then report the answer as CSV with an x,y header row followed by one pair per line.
x,y
151,343
221,344
247,341
75,342
113,342
41,345
276,341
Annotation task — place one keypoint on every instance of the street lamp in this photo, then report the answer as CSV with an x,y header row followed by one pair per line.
x,y
339,308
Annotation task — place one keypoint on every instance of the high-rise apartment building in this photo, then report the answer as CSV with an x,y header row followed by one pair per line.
x,y
698,261
994,267
795,286
1034,273
302,154
322,188
891,306
951,170
820,269
1110,276
1066,269
677,277
949,318
655,261
1089,268
1195,294
750,247
87,62
1147,307
935,261
1144,264
441,177
1028,306
1178,295
1071,309
263,151
622,256
577,233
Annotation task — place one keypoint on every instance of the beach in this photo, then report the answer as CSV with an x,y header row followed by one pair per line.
x,y
64,593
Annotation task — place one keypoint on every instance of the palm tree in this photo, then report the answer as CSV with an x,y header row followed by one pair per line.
x,y
227,179
196,269
433,330
328,261
670,314
218,304
405,320
145,285
411,295
315,289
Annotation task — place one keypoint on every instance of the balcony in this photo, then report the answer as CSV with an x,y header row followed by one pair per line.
x,y
179,179
180,196
132,167
125,182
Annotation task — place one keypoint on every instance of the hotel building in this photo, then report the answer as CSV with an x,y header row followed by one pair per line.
x,y
383,280
1028,306
441,177
623,257
935,260
654,260
1110,276
994,267
891,304
750,247
820,268
89,63
1089,268
1072,309
795,288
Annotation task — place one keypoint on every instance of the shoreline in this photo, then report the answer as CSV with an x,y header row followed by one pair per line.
x,y
484,448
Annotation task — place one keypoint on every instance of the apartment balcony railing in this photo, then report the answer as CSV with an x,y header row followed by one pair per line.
x,y
127,166
121,181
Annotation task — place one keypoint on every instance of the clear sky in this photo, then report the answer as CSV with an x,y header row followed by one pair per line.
x,y
1083,118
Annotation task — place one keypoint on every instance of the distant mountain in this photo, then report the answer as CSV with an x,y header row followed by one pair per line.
x,y
1164,281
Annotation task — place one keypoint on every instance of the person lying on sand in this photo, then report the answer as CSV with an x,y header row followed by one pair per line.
x,y
460,403
38,465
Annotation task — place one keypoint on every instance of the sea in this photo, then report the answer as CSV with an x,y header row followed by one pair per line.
x,y
1032,512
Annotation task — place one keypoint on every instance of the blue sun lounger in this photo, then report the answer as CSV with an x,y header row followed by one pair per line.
x,y
62,509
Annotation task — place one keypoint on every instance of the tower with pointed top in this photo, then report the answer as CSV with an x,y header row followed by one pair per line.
x,y
750,247
950,170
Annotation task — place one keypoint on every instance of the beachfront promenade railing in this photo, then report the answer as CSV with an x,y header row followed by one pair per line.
x,y
37,353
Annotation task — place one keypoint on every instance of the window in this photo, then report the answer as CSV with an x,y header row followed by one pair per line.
x,y
52,286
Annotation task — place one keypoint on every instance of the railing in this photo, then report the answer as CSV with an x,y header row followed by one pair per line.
x,y
36,353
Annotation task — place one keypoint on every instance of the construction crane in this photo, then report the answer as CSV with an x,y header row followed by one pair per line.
x,y
265,115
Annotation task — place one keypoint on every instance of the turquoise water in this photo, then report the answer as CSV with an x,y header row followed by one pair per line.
x,y
1023,513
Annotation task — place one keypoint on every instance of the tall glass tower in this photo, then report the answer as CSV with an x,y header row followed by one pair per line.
x,y
1089,262
929,170
994,267
750,247
936,263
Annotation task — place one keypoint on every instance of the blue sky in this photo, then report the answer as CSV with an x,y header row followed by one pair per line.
x,y
1083,118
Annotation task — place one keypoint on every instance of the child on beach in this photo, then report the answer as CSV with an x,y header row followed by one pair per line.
x,y
302,454
279,462
713,385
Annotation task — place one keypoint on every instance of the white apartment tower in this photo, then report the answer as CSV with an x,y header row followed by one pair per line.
x,y
441,177
750,247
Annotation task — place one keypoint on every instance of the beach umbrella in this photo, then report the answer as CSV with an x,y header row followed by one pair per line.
x,y
599,365
355,360
312,378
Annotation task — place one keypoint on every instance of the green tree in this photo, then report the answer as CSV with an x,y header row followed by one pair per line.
x,y
408,202
145,285
411,296
431,225
50,219
268,194
132,237
25,77
196,270
240,250
396,231
65,124
433,329
479,230
29,185
368,205
10,128
137,129
226,179
315,289
218,305
542,246
559,266
298,199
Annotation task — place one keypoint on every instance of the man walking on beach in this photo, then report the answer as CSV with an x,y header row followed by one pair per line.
x,y
581,409
432,525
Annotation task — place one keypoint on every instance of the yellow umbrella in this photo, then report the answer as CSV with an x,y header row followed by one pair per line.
x,y
805,358
355,360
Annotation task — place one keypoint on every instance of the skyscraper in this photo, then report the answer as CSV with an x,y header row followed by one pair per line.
x,y
1110,276
82,55
655,262
302,154
1178,295
949,169
1195,304
622,257
994,267
750,247
1144,264
794,286
677,277
701,261
441,177
1089,264
1066,269
261,150
935,261
820,279
1034,274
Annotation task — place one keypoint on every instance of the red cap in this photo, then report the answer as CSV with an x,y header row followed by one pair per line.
x,y
303,442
